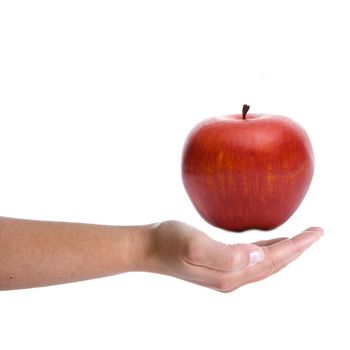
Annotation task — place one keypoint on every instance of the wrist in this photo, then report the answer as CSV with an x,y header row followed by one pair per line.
x,y
139,251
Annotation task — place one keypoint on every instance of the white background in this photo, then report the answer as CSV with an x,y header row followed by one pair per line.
x,y
96,99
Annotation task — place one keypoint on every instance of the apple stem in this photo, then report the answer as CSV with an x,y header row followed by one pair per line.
x,y
245,110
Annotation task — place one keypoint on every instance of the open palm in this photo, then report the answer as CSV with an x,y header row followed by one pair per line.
x,y
182,251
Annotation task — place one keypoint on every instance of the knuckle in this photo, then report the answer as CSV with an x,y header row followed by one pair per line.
x,y
236,260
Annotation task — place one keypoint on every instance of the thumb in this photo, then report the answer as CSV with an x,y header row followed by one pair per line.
x,y
223,257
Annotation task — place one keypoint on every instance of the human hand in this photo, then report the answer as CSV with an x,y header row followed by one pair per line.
x,y
182,251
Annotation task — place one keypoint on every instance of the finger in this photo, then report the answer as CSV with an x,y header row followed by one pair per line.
x,y
223,257
269,242
282,253
223,280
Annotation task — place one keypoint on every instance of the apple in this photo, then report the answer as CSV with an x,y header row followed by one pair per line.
x,y
247,171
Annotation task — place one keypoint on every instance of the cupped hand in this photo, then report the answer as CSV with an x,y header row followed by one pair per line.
x,y
182,251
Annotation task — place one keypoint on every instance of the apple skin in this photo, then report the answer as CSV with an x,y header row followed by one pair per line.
x,y
248,173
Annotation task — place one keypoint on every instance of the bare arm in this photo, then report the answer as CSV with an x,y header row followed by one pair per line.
x,y
39,253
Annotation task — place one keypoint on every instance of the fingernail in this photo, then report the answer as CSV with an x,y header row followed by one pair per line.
x,y
256,256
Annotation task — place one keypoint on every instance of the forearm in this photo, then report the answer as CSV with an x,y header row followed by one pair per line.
x,y
39,253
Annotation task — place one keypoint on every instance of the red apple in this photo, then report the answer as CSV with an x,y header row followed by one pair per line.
x,y
247,171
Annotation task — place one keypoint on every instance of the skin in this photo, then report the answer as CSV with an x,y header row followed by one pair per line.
x,y
41,253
